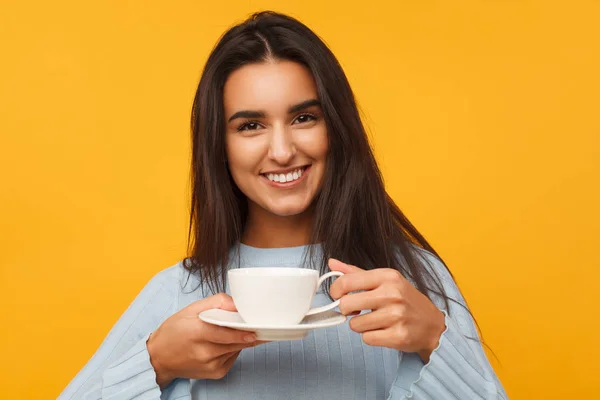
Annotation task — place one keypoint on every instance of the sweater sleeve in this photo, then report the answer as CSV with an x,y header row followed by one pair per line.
x,y
121,369
458,368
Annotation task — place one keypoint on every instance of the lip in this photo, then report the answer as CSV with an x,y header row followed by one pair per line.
x,y
287,185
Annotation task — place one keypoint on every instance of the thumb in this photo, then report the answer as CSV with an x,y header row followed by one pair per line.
x,y
337,265
219,300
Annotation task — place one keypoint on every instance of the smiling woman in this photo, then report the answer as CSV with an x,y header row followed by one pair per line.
x,y
283,176
276,141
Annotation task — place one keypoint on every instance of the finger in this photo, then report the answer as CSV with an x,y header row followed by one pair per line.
x,y
235,347
234,354
376,338
223,358
371,321
218,367
364,280
219,334
229,360
220,300
216,350
224,349
337,265
357,302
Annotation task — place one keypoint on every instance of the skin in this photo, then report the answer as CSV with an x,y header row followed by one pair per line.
x,y
184,346
400,316
274,123
275,139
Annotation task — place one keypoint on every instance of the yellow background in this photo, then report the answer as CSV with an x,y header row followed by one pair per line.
x,y
484,116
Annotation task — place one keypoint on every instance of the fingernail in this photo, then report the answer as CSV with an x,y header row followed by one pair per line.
x,y
250,338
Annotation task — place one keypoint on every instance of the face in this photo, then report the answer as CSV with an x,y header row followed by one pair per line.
x,y
276,136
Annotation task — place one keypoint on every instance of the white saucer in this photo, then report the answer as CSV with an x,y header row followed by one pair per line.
x,y
273,333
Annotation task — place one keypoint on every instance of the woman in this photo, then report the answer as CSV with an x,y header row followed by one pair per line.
x,y
283,175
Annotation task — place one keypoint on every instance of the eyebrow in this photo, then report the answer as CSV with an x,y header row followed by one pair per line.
x,y
261,114
304,105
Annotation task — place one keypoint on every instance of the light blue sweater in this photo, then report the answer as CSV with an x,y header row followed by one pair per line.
x,y
331,363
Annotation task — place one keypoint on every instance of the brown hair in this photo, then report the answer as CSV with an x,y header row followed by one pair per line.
x,y
355,219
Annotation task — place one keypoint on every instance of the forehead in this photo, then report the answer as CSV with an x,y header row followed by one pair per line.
x,y
271,86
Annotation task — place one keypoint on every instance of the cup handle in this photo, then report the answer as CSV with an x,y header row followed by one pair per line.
x,y
329,306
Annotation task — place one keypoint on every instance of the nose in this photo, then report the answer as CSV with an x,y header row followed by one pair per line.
x,y
281,146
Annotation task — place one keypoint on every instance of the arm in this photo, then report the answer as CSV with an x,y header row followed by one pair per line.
x,y
121,369
458,368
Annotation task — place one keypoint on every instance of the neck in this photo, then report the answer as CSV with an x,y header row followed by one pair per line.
x,y
266,230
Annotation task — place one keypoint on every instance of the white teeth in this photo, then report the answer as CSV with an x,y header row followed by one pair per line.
x,y
289,177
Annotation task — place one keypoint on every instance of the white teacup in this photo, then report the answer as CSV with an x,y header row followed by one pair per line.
x,y
276,296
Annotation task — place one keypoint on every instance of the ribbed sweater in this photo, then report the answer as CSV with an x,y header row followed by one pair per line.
x,y
330,363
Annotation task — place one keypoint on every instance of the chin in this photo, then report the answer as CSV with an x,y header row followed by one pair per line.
x,y
287,211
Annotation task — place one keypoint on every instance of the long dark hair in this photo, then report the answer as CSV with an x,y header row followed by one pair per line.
x,y
354,221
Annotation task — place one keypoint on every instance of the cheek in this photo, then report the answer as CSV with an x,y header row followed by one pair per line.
x,y
244,155
315,146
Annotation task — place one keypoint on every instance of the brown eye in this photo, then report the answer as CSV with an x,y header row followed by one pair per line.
x,y
304,118
249,126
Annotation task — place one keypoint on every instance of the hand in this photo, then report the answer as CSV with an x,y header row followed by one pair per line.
x,y
184,346
402,318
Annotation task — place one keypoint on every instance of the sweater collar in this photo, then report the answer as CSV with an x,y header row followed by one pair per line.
x,y
247,256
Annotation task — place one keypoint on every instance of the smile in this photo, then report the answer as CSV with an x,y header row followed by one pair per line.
x,y
288,178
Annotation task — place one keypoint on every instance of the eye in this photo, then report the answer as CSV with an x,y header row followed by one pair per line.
x,y
249,126
302,118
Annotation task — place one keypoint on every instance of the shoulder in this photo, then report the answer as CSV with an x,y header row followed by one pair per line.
x,y
160,287
440,275
179,284
434,265
170,290
166,284
167,277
